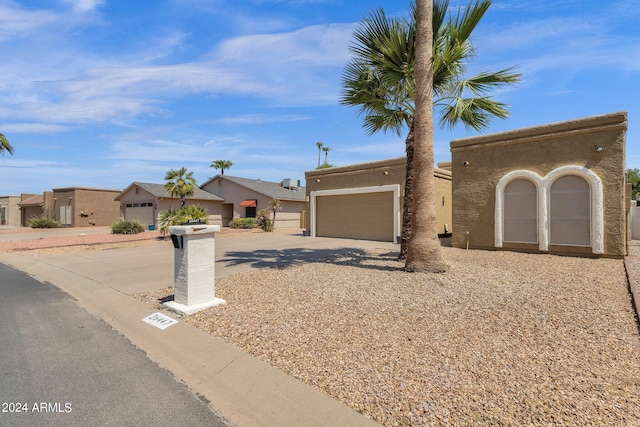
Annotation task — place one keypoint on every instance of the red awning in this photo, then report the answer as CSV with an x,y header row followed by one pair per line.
x,y
249,203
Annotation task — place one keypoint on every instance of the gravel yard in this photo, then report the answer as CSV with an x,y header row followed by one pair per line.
x,y
502,338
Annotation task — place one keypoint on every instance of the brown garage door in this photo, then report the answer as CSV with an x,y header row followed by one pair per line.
x,y
366,216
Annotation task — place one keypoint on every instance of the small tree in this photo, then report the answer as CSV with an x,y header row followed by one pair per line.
x,y
180,183
263,221
222,165
326,153
276,206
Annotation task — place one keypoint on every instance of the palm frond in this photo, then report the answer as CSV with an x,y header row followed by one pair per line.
x,y
474,113
5,145
380,82
467,22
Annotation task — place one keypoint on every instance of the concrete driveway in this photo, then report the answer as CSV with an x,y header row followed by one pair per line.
x,y
138,269
246,390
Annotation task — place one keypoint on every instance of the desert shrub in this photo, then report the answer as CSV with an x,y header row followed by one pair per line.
x,y
193,213
125,226
242,223
263,221
183,215
42,221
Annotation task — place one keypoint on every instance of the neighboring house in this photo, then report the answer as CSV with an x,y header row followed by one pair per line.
x,y
31,206
72,206
144,201
10,210
364,201
83,207
557,188
243,198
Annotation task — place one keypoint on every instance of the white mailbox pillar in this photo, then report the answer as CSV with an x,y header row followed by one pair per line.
x,y
194,268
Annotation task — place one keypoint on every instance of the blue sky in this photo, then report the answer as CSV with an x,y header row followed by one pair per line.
x,y
101,93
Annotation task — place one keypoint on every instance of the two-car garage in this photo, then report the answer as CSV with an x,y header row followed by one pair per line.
x,y
366,213
364,201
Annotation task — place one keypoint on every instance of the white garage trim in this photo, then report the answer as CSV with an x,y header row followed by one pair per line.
x,y
395,188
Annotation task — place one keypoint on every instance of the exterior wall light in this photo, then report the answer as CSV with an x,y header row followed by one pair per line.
x,y
318,180
466,163
599,148
385,173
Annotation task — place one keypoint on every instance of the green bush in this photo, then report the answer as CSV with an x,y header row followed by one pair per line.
x,y
123,226
242,223
183,215
193,213
44,222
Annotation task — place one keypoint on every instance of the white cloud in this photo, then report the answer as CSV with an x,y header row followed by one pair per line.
x,y
18,22
84,6
294,68
255,119
33,128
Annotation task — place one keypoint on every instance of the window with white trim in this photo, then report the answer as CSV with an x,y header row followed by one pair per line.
x,y
520,212
570,211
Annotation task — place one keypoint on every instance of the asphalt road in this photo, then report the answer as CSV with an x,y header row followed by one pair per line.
x,y
61,366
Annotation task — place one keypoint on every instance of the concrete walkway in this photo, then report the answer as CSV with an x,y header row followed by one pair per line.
x,y
244,389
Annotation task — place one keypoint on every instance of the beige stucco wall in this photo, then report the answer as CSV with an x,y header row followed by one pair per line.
x,y
233,194
478,164
89,207
374,174
9,205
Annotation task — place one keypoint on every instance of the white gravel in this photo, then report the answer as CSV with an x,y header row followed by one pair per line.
x,y
502,338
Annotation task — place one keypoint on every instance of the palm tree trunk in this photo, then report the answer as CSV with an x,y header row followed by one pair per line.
x,y
408,197
423,249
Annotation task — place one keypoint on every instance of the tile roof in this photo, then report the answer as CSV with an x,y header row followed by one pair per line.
x,y
35,200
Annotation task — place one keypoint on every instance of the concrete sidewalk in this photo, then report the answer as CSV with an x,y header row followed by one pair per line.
x,y
244,389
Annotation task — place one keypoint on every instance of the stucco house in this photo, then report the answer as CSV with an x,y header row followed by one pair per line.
x,y
244,197
72,206
364,201
31,205
143,201
557,188
10,210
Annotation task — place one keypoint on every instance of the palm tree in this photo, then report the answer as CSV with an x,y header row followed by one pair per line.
x,y
4,145
180,183
423,247
380,80
319,144
222,165
326,154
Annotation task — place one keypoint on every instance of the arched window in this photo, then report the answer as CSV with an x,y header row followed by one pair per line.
x,y
520,212
570,211
566,205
